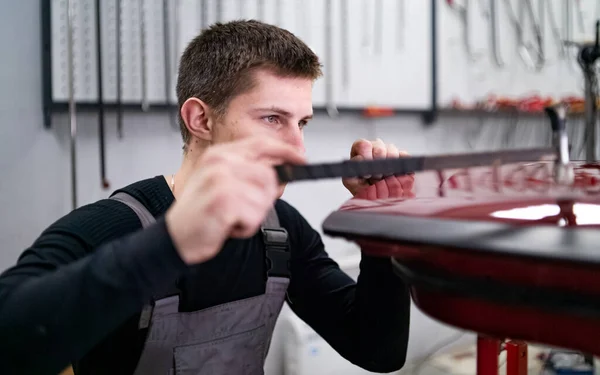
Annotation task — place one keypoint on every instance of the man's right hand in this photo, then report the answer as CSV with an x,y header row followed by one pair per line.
x,y
229,195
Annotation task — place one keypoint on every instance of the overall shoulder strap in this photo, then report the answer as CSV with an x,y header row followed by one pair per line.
x,y
146,219
277,246
140,210
272,220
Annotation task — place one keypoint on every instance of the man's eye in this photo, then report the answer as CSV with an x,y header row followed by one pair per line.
x,y
271,119
302,124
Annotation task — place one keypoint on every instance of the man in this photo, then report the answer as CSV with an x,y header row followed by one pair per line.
x,y
173,274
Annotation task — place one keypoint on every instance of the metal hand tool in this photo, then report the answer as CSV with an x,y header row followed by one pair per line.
x,y
143,68
303,19
220,11
523,47
168,54
119,48
344,20
167,48
261,10
378,27
400,24
567,24
279,13
203,14
366,36
463,12
329,89
588,56
99,77
493,18
408,165
241,8
539,36
72,106
568,31
580,16
546,10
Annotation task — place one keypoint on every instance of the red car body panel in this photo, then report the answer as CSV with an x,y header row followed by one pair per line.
x,y
531,296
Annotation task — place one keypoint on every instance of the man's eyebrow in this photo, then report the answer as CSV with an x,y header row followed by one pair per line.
x,y
281,111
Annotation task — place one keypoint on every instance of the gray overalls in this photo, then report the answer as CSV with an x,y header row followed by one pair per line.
x,y
232,338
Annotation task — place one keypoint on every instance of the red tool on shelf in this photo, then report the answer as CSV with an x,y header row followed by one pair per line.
x,y
528,104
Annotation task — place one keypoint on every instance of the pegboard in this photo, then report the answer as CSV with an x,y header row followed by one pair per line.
x,y
368,48
142,74
472,77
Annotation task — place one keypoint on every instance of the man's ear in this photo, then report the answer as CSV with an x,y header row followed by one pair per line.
x,y
196,116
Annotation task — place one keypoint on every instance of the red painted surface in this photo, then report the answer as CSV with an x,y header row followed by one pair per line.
x,y
559,276
503,320
522,194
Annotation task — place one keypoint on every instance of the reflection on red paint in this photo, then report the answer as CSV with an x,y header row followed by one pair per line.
x,y
481,193
536,177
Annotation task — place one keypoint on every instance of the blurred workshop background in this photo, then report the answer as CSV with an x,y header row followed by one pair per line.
x,y
431,76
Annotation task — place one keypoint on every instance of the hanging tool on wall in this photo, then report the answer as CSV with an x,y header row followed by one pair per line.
x,y
119,49
567,24
400,23
568,31
220,11
580,17
378,27
366,35
303,19
99,76
168,53
523,47
203,14
143,57
568,27
493,19
588,56
241,9
261,10
463,12
538,32
329,88
279,13
72,106
345,48
546,10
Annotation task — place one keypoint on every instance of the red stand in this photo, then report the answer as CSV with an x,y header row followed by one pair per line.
x,y
488,350
516,358
487,355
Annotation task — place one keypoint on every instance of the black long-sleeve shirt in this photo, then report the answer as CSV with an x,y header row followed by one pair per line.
x,y
76,294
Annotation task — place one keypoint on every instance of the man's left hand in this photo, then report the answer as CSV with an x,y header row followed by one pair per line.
x,y
378,187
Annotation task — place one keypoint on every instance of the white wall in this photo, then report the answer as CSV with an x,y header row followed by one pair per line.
x,y
34,162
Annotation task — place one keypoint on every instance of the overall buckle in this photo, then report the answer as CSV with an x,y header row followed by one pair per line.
x,y
277,252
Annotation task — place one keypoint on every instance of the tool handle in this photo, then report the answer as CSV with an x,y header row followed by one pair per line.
x,y
349,168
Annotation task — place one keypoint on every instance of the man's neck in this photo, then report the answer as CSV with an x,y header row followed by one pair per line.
x,y
189,165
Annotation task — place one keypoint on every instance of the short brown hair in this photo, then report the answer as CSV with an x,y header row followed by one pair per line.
x,y
217,65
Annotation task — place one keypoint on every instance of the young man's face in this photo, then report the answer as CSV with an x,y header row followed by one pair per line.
x,y
276,106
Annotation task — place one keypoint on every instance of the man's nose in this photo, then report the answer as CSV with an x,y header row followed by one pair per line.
x,y
295,137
